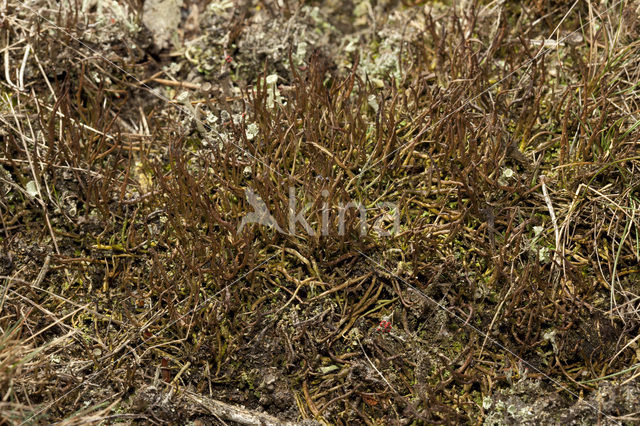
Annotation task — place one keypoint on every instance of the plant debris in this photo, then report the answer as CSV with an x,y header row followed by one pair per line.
x,y
373,212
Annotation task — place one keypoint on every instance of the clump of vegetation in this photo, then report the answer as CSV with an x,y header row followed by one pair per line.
x,y
277,211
